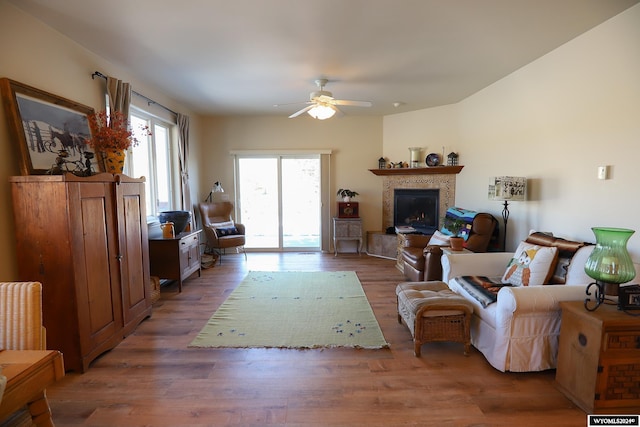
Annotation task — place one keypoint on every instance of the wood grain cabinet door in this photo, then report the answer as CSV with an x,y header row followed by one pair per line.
x,y
94,254
134,253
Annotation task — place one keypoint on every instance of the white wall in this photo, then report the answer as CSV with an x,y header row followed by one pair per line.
x,y
553,121
430,129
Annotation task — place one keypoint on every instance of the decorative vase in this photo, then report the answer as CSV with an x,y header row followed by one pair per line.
x,y
346,199
179,219
414,154
610,262
114,160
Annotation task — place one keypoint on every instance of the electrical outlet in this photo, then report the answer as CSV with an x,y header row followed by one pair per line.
x,y
603,172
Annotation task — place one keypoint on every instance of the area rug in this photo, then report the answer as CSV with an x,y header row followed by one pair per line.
x,y
294,310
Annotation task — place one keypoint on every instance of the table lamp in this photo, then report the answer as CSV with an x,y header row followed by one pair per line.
x,y
217,188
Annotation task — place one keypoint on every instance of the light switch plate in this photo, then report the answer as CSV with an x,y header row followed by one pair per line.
x,y
603,172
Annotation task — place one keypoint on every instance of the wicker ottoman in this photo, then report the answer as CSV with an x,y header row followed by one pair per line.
x,y
433,312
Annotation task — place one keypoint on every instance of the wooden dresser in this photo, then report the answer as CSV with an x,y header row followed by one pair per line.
x,y
175,258
599,359
85,240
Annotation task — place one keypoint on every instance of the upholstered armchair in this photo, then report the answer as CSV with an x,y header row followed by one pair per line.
x,y
221,231
422,259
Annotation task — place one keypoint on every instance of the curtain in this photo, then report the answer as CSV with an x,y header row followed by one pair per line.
x,y
183,152
119,94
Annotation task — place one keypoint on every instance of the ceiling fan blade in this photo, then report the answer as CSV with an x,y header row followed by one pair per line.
x,y
292,103
352,103
304,110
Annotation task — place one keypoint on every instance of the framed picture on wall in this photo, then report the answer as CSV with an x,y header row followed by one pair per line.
x,y
49,131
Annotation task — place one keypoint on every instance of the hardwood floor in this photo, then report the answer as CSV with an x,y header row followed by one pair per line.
x,y
153,379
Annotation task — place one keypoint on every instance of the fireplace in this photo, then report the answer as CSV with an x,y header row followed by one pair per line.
x,y
441,178
417,208
444,183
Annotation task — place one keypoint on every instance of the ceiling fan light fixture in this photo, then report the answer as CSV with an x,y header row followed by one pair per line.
x,y
321,112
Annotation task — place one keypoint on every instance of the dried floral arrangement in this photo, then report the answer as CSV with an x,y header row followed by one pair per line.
x,y
112,131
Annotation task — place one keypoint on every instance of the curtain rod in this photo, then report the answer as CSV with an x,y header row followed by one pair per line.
x,y
149,100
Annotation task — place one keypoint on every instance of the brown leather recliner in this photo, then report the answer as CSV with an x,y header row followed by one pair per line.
x,y
422,261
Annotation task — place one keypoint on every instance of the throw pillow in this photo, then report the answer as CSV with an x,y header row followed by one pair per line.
x,y
224,224
531,265
227,231
439,239
225,228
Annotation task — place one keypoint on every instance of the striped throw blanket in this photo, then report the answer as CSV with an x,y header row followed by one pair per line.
x,y
483,289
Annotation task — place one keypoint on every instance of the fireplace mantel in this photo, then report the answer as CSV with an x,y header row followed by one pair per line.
x,y
417,171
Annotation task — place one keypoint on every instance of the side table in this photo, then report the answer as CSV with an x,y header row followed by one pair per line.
x,y
598,358
347,229
401,239
176,258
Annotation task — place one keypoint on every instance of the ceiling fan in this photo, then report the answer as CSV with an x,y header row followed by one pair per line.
x,y
322,105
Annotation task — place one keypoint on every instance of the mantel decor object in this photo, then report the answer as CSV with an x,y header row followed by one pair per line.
x,y
609,264
414,155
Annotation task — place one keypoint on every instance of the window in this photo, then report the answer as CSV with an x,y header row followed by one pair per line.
x,y
151,158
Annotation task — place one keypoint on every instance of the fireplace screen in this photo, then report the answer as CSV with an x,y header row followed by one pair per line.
x,y
417,208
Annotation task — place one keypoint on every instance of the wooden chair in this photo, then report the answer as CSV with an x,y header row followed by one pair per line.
x,y
221,231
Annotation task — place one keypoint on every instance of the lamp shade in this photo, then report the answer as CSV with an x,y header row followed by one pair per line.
x,y
321,112
511,188
609,261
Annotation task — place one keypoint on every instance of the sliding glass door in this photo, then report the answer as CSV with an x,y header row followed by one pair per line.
x,y
279,199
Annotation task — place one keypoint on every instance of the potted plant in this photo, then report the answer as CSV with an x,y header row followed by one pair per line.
x,y
346,194
455,227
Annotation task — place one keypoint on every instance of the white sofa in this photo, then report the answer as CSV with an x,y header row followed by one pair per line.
x,y
519,332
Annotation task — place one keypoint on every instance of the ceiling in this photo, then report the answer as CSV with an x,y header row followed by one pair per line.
x,y
239,57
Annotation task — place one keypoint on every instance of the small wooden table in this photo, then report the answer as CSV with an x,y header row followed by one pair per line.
x,y
28,373
598,358
175,258
347,229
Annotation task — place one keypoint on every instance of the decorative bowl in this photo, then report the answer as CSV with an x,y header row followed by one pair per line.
x,y
180,219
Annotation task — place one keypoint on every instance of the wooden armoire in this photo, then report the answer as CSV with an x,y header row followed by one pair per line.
x,y
85,240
